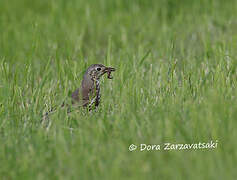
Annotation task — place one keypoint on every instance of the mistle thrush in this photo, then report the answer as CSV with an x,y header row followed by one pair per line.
x,y
88,95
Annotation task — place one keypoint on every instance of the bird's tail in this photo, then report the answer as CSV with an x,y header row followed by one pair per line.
x,y
45,116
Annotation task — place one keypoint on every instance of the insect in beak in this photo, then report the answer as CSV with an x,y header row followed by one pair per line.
x,y
108,70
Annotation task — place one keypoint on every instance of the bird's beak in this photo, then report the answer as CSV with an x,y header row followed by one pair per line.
x,y
108,70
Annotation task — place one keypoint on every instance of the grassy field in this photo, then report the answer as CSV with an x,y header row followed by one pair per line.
x,y
175,82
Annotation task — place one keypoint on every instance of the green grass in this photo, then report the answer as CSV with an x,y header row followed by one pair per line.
x,y
175,82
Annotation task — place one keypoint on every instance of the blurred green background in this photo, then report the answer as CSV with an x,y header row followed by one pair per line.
x,y
175,82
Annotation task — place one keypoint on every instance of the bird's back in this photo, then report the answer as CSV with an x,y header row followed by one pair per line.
x,y
83,94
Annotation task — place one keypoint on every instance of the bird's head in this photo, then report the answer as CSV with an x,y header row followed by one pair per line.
x,y
97,70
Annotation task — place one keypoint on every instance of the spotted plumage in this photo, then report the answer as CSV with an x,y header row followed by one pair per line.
x,y
89,92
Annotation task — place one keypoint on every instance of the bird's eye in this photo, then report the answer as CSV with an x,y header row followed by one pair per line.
x,y
98,69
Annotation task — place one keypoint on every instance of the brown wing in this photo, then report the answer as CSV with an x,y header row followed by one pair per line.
x,y
75,96
81,97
